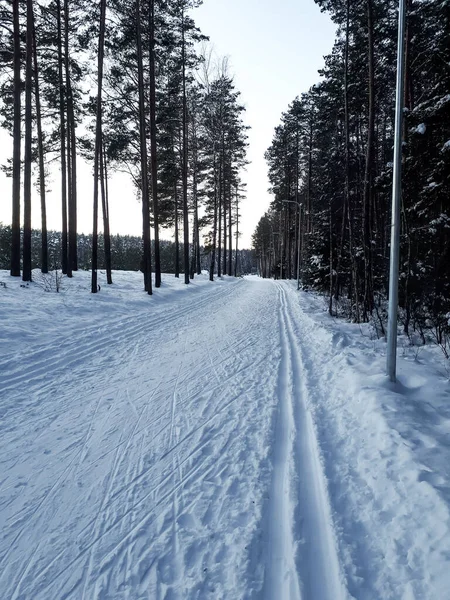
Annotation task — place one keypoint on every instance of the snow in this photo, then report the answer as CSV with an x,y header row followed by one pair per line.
x,y
387,453
421,128
217,440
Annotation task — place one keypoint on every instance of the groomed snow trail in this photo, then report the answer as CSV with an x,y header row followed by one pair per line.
x,y
167,456
317,561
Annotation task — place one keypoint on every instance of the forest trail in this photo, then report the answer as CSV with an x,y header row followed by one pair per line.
x,y
168,461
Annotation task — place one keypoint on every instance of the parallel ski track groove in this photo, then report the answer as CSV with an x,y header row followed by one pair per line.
x,y
281,577
318,562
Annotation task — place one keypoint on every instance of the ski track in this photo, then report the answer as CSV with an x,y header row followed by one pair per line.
x,y
301,556
162,457
281,578
317,561
92,342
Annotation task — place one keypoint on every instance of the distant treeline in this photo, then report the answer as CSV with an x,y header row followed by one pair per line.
x,y
126,253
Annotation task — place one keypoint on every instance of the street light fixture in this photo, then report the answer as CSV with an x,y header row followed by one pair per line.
x,y
391,356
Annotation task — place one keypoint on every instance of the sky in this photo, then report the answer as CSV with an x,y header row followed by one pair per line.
x,y
274,50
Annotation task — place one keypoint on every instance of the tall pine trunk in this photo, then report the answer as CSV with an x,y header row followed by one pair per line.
x,y
347,157
69,194
309,186
195,205
368,176
26,275
224,228
185,157
71,152
98,143
198,267
177,234
73,250
40,142
230,235
196,234
62,126
219,208
153,148
105,212
193,253
15,241
147,259
214,240
408,104
236,270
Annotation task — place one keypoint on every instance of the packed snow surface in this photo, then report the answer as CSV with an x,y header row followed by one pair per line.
x,y
222,440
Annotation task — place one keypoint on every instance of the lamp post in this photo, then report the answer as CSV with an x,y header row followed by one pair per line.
x,y
391,355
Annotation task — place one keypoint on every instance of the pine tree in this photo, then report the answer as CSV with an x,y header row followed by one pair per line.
x,y
98,145
15,240
26,276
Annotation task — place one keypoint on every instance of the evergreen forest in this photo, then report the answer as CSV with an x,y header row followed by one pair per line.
x,y
331,161
129,86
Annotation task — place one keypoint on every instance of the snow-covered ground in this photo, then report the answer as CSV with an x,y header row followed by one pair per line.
x,y
222,440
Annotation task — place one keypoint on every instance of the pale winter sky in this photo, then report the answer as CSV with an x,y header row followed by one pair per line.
x,y
274,50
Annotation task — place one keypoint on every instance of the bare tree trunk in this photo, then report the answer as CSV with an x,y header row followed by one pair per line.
x,y
409,92
230,234
40,141
62,119
347,157
105,211
153,148
177,234
214,240
26,275
297,185
147,262
195,193
219,248
236,270
330,305
185,158
69,197
224,226
289,241
195,261
98,144
71,193
309,187
408,104
368,177
15,241
73,249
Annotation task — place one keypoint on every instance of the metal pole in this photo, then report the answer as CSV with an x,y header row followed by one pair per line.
x,y
396,198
